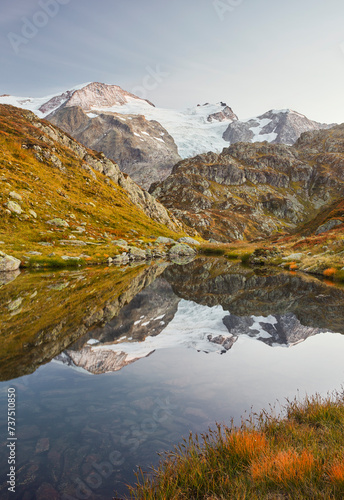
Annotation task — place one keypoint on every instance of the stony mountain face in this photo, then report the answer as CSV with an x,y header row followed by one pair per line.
x,y
225,114
275,126
142,148
100,95
252,190
95,94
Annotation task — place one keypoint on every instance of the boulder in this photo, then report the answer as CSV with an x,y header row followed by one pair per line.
x,y
164,241
293,256
13,207
181,249
15,195
78,243
58,222
188,241
8,263
136,254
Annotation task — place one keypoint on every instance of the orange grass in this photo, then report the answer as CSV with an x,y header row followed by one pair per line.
x,y
336,472
331,271
283,467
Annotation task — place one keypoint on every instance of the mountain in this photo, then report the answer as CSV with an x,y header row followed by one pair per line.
x,y
59,197
276,126
86,96
254,190
146,141
142,148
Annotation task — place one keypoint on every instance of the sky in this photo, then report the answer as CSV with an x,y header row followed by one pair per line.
x,y
255,55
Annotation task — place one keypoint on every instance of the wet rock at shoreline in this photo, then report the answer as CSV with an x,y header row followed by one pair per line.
x,y
8,263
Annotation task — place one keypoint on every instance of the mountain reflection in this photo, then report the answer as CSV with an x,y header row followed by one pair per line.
x,y
102,320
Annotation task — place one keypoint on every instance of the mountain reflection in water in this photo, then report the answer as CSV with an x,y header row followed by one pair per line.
x,y
93,404
102,320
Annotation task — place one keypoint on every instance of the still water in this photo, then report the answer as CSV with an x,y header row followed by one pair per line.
x,y
111,366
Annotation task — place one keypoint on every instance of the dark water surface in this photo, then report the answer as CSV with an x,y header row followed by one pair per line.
x,y
111,366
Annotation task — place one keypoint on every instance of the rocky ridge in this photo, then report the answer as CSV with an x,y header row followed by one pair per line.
x,y
254,190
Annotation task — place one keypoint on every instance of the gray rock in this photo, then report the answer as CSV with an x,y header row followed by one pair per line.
x,y
13,207
15,304
33,213
188,241
328,226
293,256
58,222
120,243
15,195
8,263
164,241
181,249
75,243
136,254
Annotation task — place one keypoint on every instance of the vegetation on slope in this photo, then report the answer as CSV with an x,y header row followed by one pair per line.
x,y
48,181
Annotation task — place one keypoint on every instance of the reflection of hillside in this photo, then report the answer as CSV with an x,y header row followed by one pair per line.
x,y
44,313
244,293
109,318
147,314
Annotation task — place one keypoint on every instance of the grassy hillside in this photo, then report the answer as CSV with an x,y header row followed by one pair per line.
x,y
49,181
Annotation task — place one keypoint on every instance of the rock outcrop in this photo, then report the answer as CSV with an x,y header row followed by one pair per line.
x,y
252,190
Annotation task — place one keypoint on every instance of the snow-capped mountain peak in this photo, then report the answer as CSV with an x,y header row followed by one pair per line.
x,y
276,126
87,96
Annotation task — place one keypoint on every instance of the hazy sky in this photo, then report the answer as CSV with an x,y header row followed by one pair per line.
x,y
253,54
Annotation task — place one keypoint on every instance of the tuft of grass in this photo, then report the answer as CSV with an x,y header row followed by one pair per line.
x,y
245,257
212,250
299,456
330,272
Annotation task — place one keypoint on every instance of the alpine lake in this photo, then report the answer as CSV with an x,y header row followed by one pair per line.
x,y
110,367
